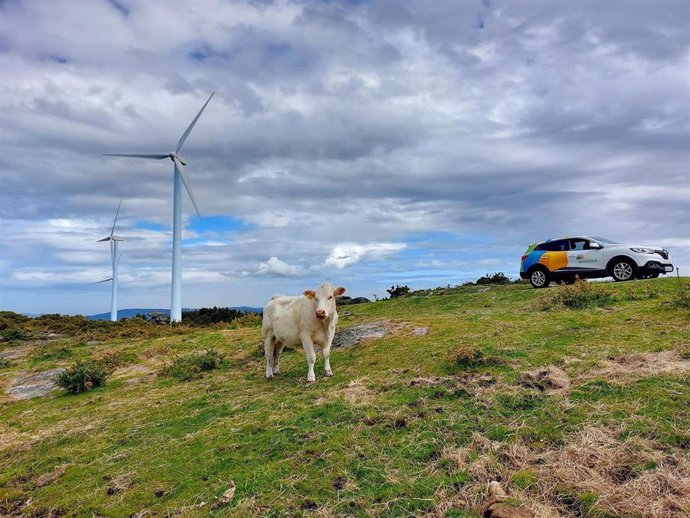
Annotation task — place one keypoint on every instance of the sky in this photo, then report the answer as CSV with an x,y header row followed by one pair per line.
x,y
365,143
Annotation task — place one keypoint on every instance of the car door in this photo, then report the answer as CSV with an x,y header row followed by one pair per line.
x,y
555,257
583,256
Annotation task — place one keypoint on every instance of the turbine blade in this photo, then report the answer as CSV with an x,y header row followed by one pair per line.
x,y
187,185
115,221
191,125
153,156
104,239
100,282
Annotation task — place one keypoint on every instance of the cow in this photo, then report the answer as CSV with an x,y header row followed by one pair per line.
x,y
307,319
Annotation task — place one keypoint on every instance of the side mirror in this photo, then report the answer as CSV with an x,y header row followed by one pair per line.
x,y
595,246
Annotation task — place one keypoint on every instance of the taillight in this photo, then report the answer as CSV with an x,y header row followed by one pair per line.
x,y
523,258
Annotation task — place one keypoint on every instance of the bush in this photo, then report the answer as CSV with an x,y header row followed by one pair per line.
x,y
82,377
5,363
398,291
193,366
13,333
246,320
208,316
496,278
579,295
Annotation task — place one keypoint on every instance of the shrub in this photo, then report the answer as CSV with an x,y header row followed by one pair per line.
x,y
82,377
579,295
5,363
14,333
208,316
193,366
246,320
496,278
398,291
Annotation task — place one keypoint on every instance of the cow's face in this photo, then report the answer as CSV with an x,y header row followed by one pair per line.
x,y
325,300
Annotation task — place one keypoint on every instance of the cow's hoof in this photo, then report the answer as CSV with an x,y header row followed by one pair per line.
x,y
311,379
269,375
329,373
276,372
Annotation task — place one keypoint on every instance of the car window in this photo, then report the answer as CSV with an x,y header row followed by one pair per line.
x,y
579,244
560,245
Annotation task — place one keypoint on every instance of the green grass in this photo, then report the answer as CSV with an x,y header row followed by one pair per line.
x,y
166,446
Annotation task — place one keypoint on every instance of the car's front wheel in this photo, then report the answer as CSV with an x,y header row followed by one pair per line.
x,y
540,278
623,270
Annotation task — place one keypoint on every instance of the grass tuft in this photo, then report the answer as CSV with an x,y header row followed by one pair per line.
x,y
193,366
579,295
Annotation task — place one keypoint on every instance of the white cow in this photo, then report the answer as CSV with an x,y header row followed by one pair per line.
x,y
308,319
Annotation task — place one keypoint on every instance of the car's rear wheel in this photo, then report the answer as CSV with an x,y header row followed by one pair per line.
x,y
623,270
540,278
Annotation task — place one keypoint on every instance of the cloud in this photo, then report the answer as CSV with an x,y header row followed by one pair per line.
x,y
461,131
275,266
347,254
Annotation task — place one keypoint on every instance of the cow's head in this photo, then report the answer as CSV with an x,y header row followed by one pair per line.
x,y
325,300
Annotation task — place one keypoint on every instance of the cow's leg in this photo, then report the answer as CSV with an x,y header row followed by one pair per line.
x,y
327,359
269,348
278,348
309,353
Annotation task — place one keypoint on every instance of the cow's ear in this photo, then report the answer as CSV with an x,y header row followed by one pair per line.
x,y
339,291
310,294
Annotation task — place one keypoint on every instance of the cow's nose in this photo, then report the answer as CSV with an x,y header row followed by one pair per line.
x,y
320,313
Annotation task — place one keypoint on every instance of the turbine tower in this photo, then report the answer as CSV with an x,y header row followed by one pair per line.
x,y
180,177
115,258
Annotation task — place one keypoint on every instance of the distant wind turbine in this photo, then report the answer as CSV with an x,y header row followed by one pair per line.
x,y
180,178
115,258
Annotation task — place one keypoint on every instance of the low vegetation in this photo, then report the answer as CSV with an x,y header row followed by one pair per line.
x,y
578,409
578,295
193,366
82,377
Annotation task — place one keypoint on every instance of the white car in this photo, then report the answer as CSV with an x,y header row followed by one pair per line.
x,y
568,258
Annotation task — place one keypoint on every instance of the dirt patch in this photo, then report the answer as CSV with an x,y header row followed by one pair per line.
x,y
640,365
468,385
593,474
34,385
546,379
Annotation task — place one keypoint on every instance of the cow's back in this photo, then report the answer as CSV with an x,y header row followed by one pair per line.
x,y
282,318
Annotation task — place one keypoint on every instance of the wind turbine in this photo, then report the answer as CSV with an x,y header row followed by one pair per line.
x,y
115,258
180,177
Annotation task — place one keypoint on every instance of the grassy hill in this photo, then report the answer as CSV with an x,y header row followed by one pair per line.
x,y
577,399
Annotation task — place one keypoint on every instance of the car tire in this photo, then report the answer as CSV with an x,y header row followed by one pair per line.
x,y
623,270
539,278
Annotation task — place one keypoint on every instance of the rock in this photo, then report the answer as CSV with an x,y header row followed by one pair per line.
x,y
356,334
34,385
345,300
48,478
156,317
420,331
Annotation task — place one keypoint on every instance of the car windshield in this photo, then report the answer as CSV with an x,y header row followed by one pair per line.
x,y
604,240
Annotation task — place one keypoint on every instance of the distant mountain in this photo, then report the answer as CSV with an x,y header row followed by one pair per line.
x,y
132,312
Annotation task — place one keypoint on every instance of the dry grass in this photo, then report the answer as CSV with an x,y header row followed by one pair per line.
x,y
594,474
629,368
549,378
